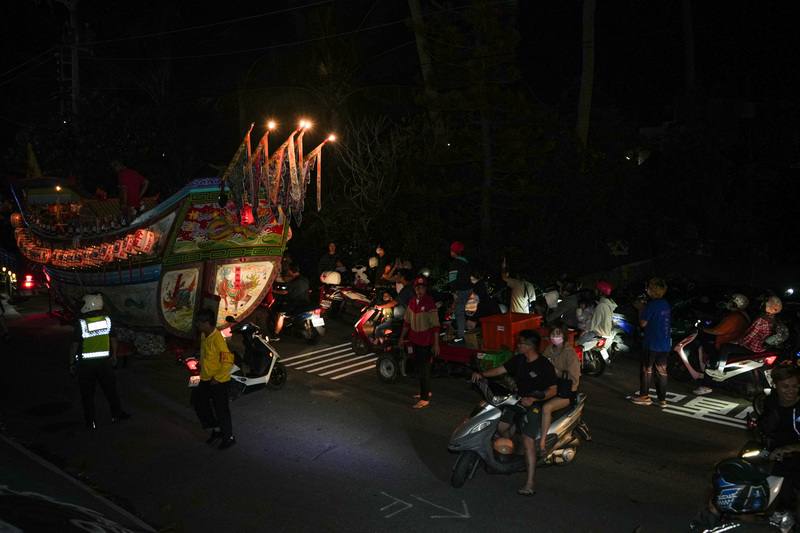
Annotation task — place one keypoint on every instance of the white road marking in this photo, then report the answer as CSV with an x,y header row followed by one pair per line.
x,y
352,359
356,371
349,366
304,361
306,354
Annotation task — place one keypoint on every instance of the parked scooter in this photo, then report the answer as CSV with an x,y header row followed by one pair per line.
x,y
475,440
256,362
743,496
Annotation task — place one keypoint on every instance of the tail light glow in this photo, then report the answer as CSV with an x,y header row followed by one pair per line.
x,y
601,343
770,360
28,283
192,364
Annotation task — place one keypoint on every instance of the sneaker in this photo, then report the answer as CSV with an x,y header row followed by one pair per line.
x,y
702,389
416,396
717,374
641,400
662,403
422,404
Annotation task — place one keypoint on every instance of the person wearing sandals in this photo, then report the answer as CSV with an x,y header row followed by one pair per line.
x,y
535,377
566,363
655,319
421,326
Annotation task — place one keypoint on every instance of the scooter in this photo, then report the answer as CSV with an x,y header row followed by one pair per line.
x,y
692,365
255,360
307,322
595,353
744,494
475,440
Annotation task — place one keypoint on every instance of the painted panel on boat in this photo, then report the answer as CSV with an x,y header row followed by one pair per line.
x,y
240,287
179,290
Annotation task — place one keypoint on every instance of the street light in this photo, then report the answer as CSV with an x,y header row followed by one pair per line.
x,y
271,125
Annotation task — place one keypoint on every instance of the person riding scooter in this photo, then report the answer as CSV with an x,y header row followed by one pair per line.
x,y
294,297
602,321
752,341
731,327
536,380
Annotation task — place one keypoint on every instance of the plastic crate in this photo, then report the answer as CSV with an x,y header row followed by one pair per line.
x,y
500,331
487,360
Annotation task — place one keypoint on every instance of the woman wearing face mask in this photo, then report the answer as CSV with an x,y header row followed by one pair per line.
x,y
564,359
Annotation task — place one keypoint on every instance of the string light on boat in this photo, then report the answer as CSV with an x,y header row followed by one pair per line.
x,y
271,125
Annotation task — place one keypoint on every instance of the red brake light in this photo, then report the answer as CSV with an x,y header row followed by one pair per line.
x,y
28,283
601,343
192,364
770,360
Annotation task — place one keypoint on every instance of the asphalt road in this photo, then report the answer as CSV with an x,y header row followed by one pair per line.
x,y
349,454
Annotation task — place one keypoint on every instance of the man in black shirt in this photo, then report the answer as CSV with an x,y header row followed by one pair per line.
x,y
294,297
780,424
536,380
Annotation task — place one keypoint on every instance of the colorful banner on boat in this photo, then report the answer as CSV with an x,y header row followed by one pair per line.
x,y
206,226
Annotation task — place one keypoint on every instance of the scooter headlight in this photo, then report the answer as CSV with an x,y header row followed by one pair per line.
x,y
479,427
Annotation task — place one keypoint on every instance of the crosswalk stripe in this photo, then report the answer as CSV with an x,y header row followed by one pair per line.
x,y
306,360
350,366
306,354
349,353
340,362
356,371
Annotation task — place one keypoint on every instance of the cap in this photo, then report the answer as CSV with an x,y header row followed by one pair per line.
x,y
457,247
420,280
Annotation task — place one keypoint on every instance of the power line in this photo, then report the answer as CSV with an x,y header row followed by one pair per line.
x,y
204,26
290,43
31,60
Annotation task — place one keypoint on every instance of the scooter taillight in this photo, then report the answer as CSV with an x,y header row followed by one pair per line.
x,y
770,360
192,364
317,311
601,343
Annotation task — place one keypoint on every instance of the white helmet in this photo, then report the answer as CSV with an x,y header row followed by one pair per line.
x,y
739,301
773,305
373,262
92,302
331,277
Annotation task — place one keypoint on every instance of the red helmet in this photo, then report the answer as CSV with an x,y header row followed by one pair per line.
x,y
420,280
456,247
604,287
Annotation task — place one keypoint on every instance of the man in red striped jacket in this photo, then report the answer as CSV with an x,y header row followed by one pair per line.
x,y
421,327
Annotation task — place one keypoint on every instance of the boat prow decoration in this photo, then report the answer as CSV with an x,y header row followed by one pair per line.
x,y
217,242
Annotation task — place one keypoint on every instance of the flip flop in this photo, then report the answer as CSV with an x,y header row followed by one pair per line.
x,y
526,492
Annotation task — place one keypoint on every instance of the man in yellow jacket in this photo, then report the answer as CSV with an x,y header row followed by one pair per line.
x,y
211,401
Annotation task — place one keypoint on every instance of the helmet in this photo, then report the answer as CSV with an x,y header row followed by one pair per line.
x,y
739,301
92,302
604,287
373,262
425,271
420,280
773,305
504,446
456,247
331,277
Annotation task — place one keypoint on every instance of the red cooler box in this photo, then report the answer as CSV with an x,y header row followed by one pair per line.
x,y
500,331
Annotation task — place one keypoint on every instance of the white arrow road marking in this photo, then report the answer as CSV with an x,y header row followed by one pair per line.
x,y
313,352
453,514
397,501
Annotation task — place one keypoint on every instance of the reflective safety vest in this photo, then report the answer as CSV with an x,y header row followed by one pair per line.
x,y
95,332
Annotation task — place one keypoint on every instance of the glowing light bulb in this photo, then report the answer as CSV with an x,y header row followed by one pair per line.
x,y
271,125
58,188
305,124
331,137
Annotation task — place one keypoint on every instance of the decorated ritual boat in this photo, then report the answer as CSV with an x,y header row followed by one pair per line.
x,y
217,242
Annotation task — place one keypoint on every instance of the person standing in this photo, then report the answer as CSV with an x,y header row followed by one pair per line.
x,y
523,294
458,278
132,187
327,263
211,397
421,326
93,353
655,319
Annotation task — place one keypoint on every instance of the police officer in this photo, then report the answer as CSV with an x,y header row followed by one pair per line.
x,y
92,354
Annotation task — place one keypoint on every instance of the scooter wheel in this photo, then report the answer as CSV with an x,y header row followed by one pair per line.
x,y
463,468
278,377
593,363
388,368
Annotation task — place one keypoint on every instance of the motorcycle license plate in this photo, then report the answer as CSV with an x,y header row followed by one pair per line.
x,y
317,321
194,381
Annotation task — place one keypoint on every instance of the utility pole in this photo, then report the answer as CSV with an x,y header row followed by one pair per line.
x,y
587,73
